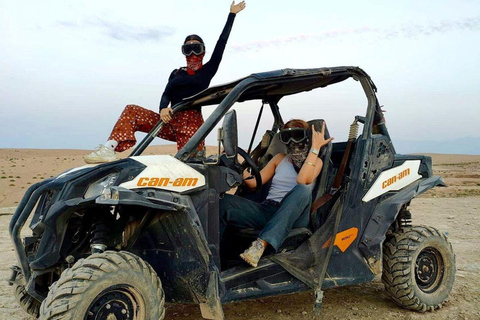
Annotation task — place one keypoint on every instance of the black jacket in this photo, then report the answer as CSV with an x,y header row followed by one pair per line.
x,y
182,85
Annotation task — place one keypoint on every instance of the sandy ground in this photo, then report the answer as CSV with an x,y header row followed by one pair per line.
x,y
454,210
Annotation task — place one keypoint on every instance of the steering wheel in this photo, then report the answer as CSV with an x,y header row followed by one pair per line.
x,y
250,163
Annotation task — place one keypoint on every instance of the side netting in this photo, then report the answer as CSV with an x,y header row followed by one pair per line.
x,y
309,261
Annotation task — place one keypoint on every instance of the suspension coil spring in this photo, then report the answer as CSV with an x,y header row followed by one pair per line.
x,y
353,130
99,232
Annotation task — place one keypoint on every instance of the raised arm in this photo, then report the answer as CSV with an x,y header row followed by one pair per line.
x,y
217,54
313,164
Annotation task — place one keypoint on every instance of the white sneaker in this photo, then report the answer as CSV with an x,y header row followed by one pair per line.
x,y
253,254
101,155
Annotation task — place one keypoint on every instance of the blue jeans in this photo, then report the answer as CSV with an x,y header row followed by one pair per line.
x,y
274,221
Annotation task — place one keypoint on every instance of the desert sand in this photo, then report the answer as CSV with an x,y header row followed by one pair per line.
x,y
455,210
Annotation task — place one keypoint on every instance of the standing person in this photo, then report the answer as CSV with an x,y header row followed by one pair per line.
x,y
183,82
289,199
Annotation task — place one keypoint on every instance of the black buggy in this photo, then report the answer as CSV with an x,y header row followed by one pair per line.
x,y
117,240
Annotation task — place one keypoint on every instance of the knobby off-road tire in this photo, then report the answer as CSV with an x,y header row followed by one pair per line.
x,y
103,285
418,268
26,301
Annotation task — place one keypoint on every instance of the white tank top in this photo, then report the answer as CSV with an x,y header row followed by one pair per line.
x,y
283,181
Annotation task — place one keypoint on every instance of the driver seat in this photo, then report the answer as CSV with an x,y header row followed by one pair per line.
x,y
296,236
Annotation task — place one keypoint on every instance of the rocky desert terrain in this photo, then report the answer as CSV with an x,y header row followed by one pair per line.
x,y
454,210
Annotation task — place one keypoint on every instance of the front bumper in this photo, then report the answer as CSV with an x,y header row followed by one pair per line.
x,y
19,218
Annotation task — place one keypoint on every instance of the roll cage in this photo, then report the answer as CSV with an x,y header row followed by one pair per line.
x,y
270,87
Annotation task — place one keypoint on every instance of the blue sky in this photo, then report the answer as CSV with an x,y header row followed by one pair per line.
x,y
69,68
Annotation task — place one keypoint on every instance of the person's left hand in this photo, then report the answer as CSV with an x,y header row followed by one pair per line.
x,y
236,8
318,138
166,114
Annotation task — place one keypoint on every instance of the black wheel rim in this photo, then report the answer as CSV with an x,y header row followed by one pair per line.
x,y
120,302
429,270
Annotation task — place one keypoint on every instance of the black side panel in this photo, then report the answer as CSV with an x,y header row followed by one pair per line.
x,y
381,158
174,247
386,212
346,268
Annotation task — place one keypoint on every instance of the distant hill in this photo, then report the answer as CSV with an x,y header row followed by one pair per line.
x,y
466,145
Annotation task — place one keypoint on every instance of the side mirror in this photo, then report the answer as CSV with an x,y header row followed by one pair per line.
x,y
228,134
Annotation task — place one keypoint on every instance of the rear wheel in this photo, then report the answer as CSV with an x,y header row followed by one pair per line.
x,y
109,285
418,268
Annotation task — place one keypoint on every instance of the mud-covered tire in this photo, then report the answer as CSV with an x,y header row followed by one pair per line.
x,y
418,268
28,303
111,282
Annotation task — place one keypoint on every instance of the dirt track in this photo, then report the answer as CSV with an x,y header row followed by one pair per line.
x,y
460,217
454,210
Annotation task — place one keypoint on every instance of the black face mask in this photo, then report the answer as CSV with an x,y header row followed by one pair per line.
x,y
298,153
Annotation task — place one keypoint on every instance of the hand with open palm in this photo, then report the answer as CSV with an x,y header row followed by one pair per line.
x,y
236,8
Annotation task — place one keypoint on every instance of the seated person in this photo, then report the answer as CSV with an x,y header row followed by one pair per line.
x,y
288,202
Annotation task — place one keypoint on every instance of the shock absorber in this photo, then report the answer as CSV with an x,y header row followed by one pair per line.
x,y
352,135
99,232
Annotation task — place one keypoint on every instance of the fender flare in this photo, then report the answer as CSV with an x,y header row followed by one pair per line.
x,y
386,212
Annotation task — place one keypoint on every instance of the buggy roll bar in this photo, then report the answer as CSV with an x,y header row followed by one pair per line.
x,y
205,129
215,117
337,74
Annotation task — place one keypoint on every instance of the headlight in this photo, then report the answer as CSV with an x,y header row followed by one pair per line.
x,y
99,186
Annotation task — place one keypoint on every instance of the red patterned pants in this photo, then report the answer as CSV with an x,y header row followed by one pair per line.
x,y
134,118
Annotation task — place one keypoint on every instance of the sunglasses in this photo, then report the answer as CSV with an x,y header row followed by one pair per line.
x,y
296,135
193,48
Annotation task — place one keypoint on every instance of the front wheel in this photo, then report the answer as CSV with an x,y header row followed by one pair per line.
x,y
109,285
418,268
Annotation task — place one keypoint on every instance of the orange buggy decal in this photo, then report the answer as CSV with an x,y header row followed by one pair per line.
x,y
396,178
343,239
164,182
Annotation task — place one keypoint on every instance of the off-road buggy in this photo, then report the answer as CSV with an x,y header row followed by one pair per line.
x,y
117,240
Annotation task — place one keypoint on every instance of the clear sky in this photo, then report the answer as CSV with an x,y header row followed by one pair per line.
x,y
68,68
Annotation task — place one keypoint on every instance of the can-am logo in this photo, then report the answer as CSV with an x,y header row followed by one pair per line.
x,y
164,182
396,178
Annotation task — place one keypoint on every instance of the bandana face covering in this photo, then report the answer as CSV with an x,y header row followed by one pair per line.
x,y
298,153
194,63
